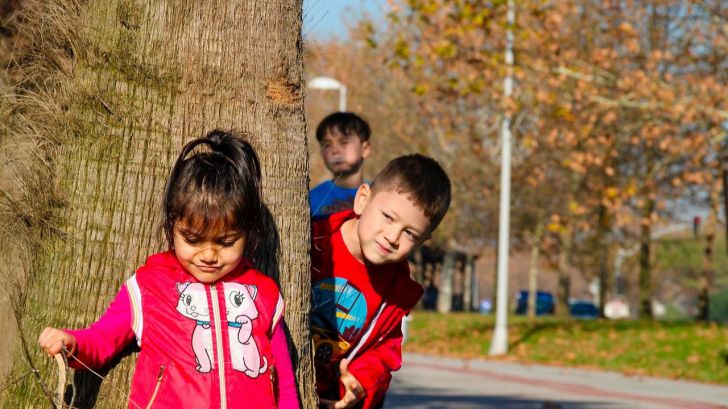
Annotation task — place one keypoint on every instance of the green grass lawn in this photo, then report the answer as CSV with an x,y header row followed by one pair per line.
x,y
682,350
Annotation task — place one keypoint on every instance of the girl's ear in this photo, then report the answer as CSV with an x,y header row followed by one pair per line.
x,y
362,197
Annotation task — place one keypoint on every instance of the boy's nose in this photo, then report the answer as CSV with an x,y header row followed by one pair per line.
x,y
334,148
392,236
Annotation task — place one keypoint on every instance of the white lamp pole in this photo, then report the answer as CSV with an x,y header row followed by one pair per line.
x,y
499,343
326,84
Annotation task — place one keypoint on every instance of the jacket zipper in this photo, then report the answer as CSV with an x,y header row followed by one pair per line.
x,y
218,340
367,333
156,388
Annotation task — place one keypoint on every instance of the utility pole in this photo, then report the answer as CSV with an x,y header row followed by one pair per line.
x,y
499,343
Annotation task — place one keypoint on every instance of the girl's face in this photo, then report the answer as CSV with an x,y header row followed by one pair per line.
x,y
208,257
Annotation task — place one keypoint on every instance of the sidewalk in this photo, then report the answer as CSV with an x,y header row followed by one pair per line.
x,y
433,382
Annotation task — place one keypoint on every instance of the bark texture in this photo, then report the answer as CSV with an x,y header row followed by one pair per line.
x,y
117,87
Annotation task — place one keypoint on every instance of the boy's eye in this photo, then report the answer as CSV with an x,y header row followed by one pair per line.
x,y
388,217
226,243
412,236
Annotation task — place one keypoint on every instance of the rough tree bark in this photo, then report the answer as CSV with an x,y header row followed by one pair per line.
x,y
113,89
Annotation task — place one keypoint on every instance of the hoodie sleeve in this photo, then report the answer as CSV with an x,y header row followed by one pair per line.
x,y
99,343
373,368
286,380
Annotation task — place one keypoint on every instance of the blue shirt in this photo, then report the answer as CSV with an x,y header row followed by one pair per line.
x,y
327,198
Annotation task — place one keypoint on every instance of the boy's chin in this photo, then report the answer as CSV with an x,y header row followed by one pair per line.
x,y
378,259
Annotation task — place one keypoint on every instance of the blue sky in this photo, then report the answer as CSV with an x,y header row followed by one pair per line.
x,y
323,19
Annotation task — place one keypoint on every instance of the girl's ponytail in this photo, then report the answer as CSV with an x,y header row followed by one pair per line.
x,y
220,183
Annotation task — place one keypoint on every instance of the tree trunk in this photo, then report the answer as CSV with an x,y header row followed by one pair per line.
x,y
645,277
444,296
116,88
419,273
705,280
603,252
533,271
469,282
564,289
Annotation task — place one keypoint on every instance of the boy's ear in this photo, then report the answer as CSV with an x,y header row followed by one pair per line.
x,y
366,149
363,194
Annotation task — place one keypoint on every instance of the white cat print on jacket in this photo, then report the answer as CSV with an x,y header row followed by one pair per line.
x,y
241,311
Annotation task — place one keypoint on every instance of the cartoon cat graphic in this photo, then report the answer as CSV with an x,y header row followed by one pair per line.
x,y
193,304
241,312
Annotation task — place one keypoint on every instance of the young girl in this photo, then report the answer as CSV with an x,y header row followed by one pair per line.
x,y
208,324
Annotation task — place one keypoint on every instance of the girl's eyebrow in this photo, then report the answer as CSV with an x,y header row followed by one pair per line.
x,y
189,232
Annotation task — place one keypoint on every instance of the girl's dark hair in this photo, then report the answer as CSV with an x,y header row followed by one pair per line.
x,y
215,190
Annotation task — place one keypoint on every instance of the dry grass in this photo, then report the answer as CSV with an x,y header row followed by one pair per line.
x,y
33,59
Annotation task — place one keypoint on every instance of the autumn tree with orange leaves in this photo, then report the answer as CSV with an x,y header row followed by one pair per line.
x,y
618,104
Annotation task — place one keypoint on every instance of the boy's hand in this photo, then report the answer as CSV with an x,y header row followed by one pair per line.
x,y
354,391
52,341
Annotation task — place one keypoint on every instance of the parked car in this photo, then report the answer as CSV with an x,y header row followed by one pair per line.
x,y
583,309
544,302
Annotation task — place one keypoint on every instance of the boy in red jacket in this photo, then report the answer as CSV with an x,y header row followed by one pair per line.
x,y
361,283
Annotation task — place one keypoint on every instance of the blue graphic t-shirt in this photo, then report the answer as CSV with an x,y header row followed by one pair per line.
x,y
340,308
327,198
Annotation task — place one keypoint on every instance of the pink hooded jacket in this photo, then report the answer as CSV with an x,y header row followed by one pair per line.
x,y
202,345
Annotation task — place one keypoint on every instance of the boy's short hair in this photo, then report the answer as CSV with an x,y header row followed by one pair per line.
x,y
345,122
422,179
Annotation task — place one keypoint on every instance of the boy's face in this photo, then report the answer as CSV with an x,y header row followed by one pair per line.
x,y
343,154
390,225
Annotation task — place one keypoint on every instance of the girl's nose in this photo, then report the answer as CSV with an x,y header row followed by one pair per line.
x,y
209,255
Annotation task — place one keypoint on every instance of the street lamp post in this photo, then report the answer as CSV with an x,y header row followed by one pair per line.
x,y
499,343
327,84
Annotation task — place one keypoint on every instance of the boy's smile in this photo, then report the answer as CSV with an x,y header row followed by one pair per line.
x,y
390,226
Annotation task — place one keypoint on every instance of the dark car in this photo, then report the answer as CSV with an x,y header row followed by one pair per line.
x,y
544,302
583,309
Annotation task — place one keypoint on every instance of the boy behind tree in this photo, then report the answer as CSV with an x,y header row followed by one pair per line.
x,y
344,141
361,282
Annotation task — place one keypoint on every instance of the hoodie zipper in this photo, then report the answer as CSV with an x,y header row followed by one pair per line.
x,y
156,388
218,340
367,333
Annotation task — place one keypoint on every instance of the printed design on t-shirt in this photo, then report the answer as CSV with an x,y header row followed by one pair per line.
x,y
240,310
338,317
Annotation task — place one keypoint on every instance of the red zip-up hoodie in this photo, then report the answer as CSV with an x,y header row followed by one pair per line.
x,y
379,350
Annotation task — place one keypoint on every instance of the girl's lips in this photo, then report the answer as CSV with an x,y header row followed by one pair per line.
x,y
208,269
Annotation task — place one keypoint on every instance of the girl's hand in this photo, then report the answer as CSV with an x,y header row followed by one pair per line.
x,y
52,341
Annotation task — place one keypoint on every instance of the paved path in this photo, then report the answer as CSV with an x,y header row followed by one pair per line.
x,y
440,383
